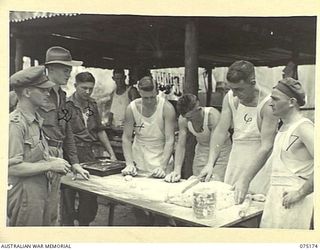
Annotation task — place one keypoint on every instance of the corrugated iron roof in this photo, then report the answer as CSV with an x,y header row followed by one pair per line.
x,y
21,16
158,41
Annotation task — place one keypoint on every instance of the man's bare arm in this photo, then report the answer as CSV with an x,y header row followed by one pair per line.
x,y
127,136
175,175
103,138
220,132
169,125
181,145
217,138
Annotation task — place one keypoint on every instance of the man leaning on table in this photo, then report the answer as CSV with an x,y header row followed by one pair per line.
x,y
87,129
245,108
152,119
201,122
29,160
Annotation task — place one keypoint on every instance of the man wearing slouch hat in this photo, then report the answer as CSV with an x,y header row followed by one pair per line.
x,y
56,126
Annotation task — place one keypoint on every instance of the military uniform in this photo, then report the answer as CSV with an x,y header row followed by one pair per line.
x,y
27,203
85,126
56,126
58,132
27,196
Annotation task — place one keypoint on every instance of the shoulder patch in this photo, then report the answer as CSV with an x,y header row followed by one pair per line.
x,y
15,117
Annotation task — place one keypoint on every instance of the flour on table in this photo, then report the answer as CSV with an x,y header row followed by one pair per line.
x,y
223,194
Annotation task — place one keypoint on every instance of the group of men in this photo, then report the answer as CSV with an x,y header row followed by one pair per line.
x,y
50,134
260,159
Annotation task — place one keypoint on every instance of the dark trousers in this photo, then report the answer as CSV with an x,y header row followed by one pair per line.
x,y
28,203
86,211
88,206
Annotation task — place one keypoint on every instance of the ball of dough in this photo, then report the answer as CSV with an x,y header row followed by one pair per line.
x,y
128,178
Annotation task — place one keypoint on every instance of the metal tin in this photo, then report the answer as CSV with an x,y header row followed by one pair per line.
x,y
204,203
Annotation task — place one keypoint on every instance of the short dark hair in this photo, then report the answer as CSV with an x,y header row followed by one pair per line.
x,y
186,103
118,71
176,78
147,84
240,70
85,77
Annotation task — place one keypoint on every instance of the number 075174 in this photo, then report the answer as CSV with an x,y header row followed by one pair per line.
x,y
307,245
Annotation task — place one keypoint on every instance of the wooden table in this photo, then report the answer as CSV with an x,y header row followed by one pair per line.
x,y
149,194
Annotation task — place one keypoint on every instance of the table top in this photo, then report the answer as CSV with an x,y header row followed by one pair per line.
x,y
150,194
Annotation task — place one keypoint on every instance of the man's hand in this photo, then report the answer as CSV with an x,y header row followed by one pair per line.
x,y
113,157
173,177
290,198
240,190
77,169
129,170
59,165
206,173
158,173
108,123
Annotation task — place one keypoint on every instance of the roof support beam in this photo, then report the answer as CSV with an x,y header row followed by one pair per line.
x,y
190,86
191,58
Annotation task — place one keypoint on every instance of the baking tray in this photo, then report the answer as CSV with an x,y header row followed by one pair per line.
x,y
104,167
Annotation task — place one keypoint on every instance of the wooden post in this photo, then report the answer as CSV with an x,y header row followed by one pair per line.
x,y
209,73
190,86
18,55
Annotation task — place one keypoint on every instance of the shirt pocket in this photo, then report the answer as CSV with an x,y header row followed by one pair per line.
x,y
50,116
77,123
64,116
33,149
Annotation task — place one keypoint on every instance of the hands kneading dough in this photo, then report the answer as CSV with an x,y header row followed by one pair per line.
x,y
129,170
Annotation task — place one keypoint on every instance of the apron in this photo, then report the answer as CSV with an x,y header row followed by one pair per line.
x,y
118,107
203,147
246,141
284,177
149,140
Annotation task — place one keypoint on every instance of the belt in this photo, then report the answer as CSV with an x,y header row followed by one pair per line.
x,y
84,144
54,143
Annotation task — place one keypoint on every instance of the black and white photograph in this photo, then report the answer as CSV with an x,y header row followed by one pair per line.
x,y
146,121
